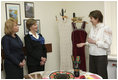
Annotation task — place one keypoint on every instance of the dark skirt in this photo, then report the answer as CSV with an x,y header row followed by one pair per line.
x,y
98,65
35,68
13,71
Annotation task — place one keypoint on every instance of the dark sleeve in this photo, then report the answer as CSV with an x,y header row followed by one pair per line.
x,y
6,49
23,56
45,51
30,49
44,48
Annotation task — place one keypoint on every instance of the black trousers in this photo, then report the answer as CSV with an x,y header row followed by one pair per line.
x,y
35,68
98,65
13,71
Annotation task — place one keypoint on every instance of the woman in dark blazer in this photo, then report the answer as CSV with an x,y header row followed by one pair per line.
x,y
12,47
35,47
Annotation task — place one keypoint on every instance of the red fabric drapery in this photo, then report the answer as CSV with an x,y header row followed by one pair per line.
x,y
79,36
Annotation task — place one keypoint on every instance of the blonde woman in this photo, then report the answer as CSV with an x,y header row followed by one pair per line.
x,y
12,47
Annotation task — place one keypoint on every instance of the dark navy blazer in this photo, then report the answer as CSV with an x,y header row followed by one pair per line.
x,y
13,49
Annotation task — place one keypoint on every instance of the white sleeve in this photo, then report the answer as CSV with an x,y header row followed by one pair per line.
x,y
87,43
107,39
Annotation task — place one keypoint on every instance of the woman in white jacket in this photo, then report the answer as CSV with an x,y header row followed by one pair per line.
x,y
99,42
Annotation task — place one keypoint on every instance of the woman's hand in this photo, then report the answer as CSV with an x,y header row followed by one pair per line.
x,y
21,64
80,45
42,62
43,59
91,41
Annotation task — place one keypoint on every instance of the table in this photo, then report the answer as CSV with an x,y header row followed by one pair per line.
x,y
87,75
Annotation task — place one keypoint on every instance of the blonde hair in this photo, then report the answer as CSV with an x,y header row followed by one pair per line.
x,y
9,24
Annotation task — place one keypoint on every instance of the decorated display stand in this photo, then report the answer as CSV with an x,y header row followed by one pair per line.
x,y
76,63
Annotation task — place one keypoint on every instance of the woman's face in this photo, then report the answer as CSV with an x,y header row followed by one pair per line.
x,y
34,27
15,28
93,21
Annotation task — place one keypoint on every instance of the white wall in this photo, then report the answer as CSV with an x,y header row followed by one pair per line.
x,y
46,12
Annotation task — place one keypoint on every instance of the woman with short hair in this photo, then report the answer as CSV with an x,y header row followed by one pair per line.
x,y
99,41
35,47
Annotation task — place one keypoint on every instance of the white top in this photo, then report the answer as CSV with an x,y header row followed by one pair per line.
x,y
103,37
37,36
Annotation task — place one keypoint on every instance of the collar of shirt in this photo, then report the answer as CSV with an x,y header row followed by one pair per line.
x,y
99,25
37,36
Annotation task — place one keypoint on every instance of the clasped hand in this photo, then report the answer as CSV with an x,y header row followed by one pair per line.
x,y
22,63
43,60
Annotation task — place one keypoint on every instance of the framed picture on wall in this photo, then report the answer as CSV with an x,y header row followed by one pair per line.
x,y
13,11
29,9
26,31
